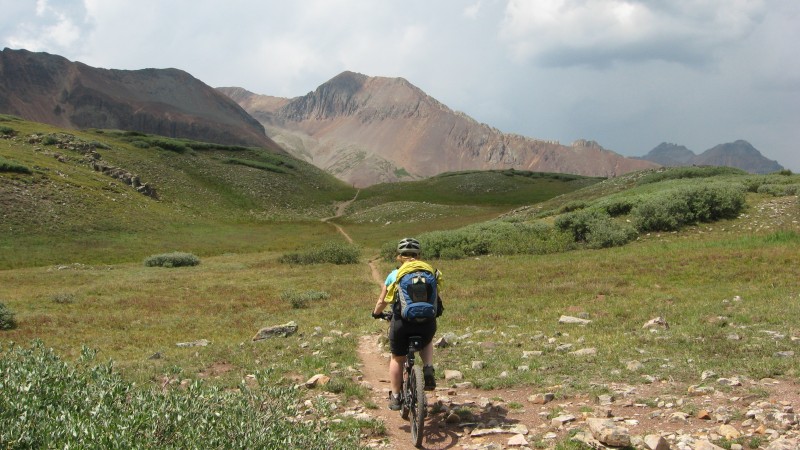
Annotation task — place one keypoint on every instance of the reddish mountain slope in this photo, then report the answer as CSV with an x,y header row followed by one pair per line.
x,y
367,130
51,89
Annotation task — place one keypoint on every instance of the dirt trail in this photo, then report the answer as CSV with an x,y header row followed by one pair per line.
x,y
341,207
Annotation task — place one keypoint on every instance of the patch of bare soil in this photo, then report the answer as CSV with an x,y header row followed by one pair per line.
x,y
753,413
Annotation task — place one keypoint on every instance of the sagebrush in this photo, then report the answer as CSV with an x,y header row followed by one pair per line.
x,y
174,259
89,405
329,252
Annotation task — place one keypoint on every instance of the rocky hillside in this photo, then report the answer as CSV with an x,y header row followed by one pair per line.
x,y
740,154
51,89
367,130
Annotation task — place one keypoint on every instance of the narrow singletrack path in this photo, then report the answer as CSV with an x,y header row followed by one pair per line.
x,y
375,372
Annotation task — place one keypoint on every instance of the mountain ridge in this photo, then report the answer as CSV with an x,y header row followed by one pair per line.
x,y
739,154
170,102
368,130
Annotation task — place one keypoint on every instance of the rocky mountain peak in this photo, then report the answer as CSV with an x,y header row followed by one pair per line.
x,y
739,154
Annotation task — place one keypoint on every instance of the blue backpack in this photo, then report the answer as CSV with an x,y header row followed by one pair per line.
x,y
416,296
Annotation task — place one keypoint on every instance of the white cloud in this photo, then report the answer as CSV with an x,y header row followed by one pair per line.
x,y
599,32
472,11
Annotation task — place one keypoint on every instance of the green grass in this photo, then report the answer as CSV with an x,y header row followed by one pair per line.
x,y
71,233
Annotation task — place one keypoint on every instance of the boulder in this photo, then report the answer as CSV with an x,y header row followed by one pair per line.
x,y
284,330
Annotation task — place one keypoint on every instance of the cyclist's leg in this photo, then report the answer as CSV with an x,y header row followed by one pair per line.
x,y
398,343
396,373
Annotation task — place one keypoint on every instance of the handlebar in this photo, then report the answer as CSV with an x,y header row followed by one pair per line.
x,y
386,315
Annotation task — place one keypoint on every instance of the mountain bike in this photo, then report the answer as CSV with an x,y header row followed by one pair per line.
x,y
412,395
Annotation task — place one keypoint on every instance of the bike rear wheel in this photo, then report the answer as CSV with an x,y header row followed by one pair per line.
x,y
417,404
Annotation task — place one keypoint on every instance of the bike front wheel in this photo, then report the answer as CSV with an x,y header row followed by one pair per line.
x,y
417,404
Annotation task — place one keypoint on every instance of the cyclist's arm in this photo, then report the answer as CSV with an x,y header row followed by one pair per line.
x,y
381,304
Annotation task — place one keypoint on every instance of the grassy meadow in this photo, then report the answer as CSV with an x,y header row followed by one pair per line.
x,y
72,274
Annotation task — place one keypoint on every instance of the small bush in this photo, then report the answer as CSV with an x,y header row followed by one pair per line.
x,y
7,321
175,259
49,140
6,131
779,190
672,209
89,405
496,238
11,166
300,300
676,173
330,252
595,228
573,206
63,298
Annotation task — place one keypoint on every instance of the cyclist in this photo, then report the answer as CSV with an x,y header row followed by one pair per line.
x,y
408,252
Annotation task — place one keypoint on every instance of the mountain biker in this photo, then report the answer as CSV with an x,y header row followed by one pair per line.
x,y
408,250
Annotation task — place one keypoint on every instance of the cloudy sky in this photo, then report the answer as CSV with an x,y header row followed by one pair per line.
x,y
628,74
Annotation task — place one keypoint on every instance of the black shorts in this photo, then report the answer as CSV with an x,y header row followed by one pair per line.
x,y
399,331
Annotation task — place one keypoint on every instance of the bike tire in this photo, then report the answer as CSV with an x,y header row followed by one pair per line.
x,y
406,393
418,404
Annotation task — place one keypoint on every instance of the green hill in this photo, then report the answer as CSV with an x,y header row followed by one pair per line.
x,y
106,196
74,197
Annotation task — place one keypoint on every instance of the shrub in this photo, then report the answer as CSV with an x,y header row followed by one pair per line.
x,y
595,228
175,259
608,233
578,223
6,131
11,166
573,206
779,190
63,298
300,300
7,321
49,140
330,252
497,238
90,406
675,173
617,207
672,209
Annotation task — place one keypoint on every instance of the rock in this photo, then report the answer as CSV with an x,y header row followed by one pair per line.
x,y
591,351
658,322
605,399
450,375
703,415
517,441
531,354
317,380
655,442
729,432
156,355
477,365
787,354
634,366
200,343
729,381
708,374
442,342
784,444
573,320
608,433
562,420
284,330
542,399
705,445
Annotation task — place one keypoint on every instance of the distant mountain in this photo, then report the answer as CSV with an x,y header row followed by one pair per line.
x,y
169,102
368,130
739,154
670,155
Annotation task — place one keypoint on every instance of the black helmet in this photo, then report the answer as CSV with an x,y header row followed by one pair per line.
x,y
408,245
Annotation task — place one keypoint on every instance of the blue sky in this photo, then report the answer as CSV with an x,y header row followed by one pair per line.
x,y
628,74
